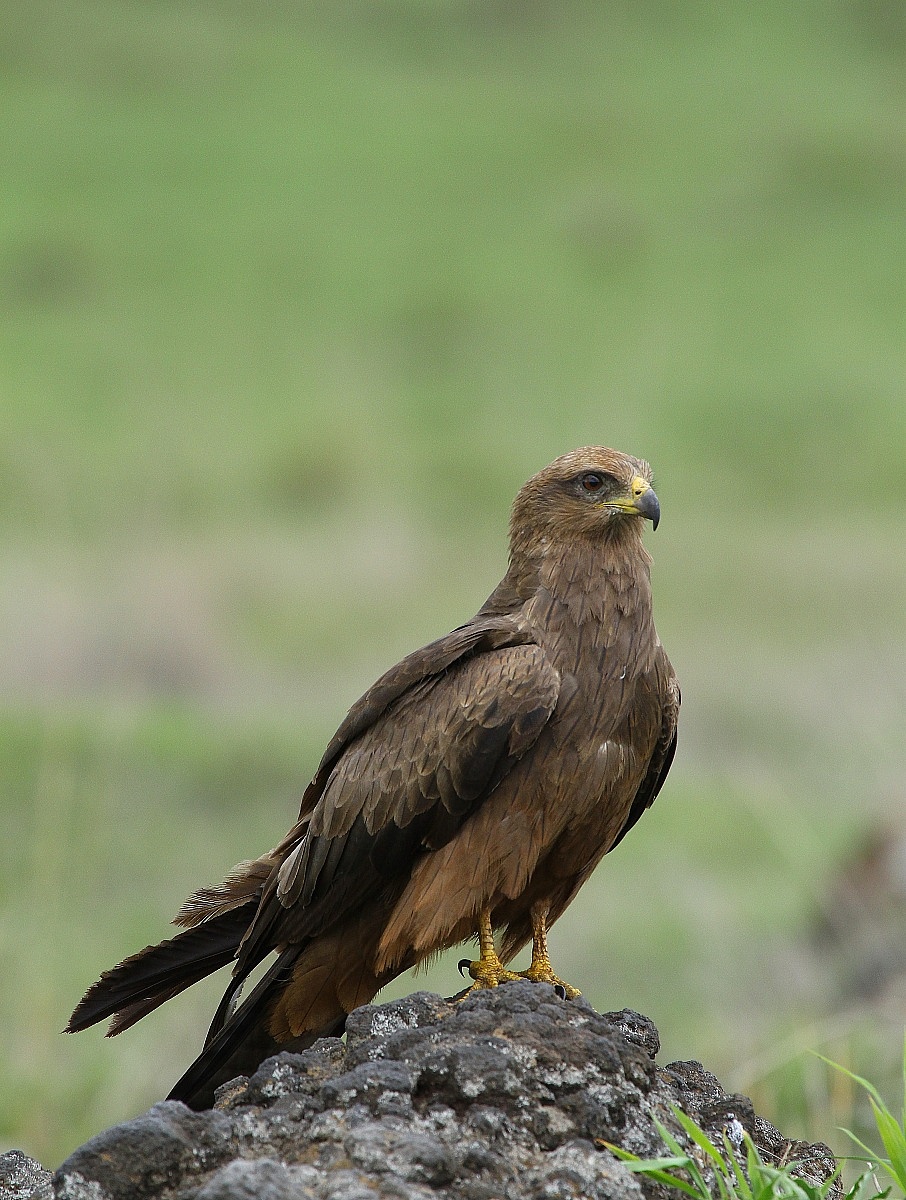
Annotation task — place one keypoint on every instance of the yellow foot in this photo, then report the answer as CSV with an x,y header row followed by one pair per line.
x,y
487,971
544,974
541,971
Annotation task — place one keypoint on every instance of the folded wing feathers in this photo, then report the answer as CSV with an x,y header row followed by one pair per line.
x,y
392,785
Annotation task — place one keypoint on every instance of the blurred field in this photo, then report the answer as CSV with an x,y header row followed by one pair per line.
x,y
293,298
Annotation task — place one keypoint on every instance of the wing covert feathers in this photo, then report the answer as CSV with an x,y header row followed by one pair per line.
x,y
415,774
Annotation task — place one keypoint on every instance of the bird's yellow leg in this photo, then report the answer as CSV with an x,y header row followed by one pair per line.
x,y
541,970
488,971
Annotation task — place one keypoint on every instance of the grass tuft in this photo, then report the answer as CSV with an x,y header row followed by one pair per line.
x,y
735,1170
891,1129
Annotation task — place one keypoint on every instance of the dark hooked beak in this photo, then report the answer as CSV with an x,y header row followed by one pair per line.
x,y
639,501
647,504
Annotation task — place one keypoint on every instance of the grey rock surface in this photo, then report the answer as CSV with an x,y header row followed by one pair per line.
x,y
509,1094
21,1178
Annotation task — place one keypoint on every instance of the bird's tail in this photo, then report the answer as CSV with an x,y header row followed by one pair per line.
x,y
304,995
245,1040
306,992
137,985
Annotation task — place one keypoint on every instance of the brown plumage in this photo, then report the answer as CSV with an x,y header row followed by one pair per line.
x,y
474,787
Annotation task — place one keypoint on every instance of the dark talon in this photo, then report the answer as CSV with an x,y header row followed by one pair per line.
x,y
560,990
463,962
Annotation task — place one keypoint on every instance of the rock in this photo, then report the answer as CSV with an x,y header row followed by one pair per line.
x,y
512,1092
21,1178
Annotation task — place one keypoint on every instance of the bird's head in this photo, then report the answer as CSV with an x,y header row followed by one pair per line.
x,y
592,492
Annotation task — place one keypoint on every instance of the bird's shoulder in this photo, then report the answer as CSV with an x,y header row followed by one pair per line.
x,y
426,676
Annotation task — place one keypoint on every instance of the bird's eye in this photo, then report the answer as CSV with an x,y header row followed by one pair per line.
x,y
592,481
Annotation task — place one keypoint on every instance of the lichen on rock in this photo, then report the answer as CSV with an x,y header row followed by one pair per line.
x,y
511,1093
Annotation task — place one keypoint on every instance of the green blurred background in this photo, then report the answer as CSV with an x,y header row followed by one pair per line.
x,y
294,297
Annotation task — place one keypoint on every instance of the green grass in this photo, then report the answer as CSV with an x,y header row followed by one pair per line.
x,y
735,1169
706,1171
889,1128
293,299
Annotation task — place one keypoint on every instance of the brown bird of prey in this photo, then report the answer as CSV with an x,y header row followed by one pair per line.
x,y
473,788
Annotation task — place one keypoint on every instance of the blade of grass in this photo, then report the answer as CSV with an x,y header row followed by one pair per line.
x,y
867,1187
646,1164
869,1087
891,1131
893,1138
653,1169
692,1167
872,1155
699,1136
683,1185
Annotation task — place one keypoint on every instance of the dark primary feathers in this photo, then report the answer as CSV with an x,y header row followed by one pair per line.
x,y
489,770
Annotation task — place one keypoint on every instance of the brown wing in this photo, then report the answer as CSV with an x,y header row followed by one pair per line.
x,y
665,681
474,638
413,759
